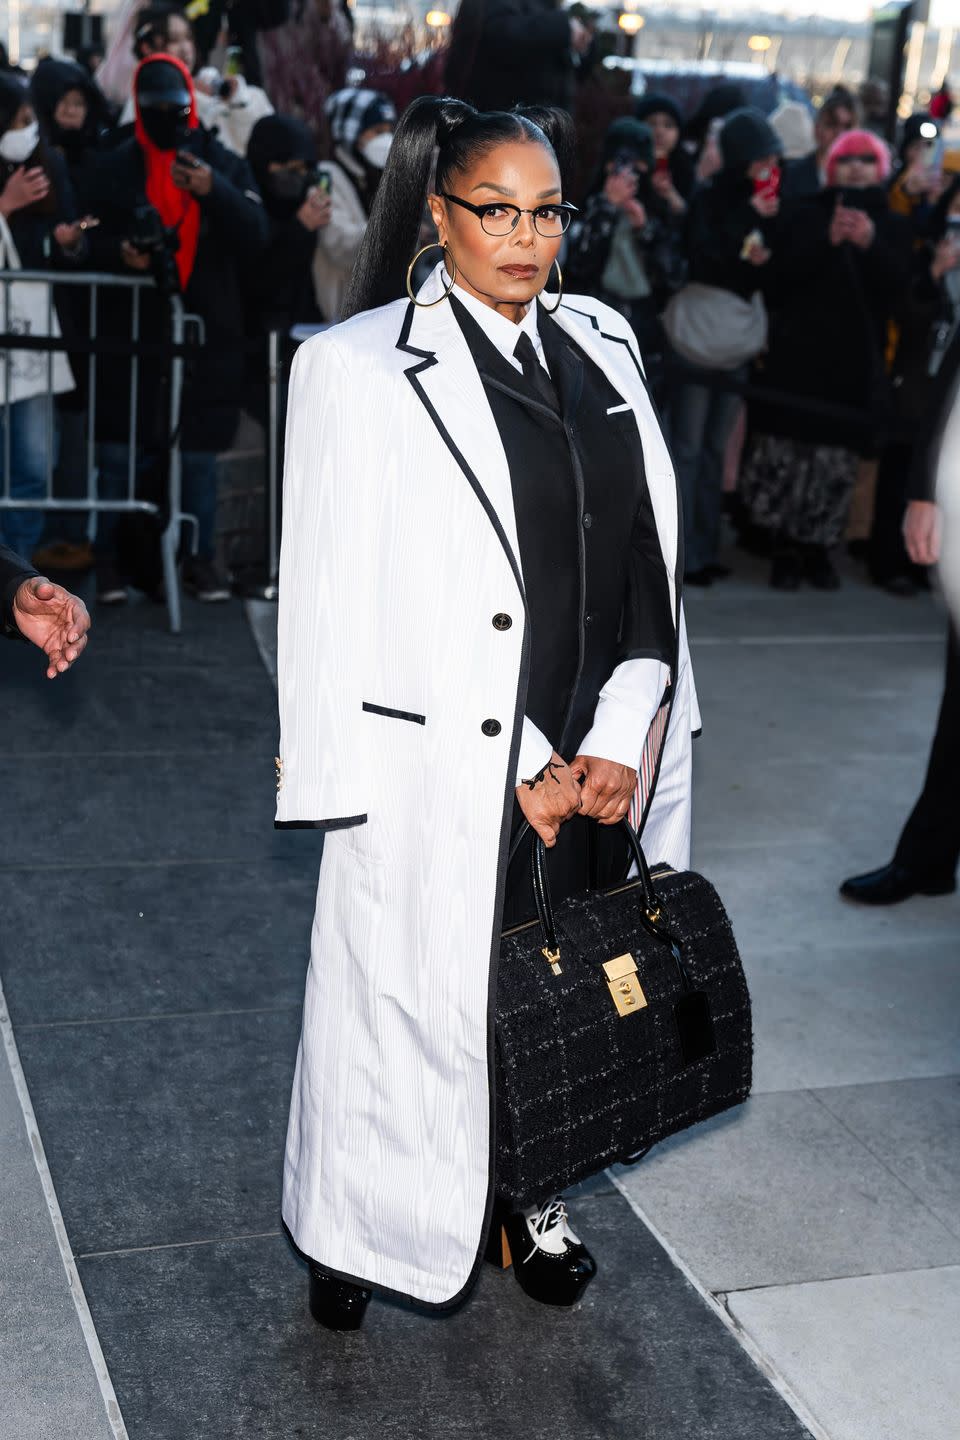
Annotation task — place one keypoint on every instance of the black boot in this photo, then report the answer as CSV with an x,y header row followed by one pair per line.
x,y
818,568
893,883
336,1303
551,1264
785,568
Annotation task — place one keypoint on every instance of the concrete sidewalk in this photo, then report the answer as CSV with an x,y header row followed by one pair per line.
x,y
797,1259
822,1219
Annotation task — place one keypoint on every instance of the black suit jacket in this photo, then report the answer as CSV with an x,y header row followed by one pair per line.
x,y
13,572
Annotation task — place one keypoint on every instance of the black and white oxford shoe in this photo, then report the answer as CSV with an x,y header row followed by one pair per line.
x,y
551,1263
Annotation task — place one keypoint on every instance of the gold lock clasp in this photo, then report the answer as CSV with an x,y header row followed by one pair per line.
x,y
553,957
622,982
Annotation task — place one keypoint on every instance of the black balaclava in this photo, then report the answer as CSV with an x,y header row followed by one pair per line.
x,y
163,102
277,139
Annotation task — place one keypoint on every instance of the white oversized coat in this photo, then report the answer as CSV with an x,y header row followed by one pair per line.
x,y
399,548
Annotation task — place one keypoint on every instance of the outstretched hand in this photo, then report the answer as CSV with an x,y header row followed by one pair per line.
x,y
53,620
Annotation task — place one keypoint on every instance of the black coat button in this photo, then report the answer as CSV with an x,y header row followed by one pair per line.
x,y
588,618
491,727
502,622
587,520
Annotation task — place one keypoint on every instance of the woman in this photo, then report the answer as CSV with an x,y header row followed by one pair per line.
x,y
673,168
627,249
479,617
38,218
71,111
732,235
842,262
361,128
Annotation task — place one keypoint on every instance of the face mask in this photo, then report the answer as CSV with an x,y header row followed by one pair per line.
x,y
167,129
288,185
18,145
375,151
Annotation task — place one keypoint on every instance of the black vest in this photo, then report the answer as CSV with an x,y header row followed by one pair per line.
x,y
595,582
593,574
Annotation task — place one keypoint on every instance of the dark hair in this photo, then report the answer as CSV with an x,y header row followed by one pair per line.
x,y
152,24
840,98
460,135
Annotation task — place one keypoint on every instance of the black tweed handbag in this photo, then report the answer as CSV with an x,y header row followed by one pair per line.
x,y
622,1017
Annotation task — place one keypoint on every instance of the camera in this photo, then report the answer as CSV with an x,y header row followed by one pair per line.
x,y
150,236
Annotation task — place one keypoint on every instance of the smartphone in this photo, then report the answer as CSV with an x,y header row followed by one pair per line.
x,y
233,63
767,183
662,166
323,182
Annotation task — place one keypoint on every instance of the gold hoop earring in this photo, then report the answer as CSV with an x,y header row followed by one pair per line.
x,y
552,309
451,264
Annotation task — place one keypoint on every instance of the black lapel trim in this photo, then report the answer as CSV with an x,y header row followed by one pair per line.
x,y
393,714
678,573
343,822
427,360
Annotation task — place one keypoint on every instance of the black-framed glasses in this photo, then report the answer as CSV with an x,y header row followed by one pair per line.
x,y
499,218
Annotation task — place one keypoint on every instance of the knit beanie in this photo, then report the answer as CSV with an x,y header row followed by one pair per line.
x,y
794,125
649,105
629,134
858,142
913,127
747,135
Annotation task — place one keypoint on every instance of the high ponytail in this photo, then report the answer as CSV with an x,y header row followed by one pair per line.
x,y
459,134
390,239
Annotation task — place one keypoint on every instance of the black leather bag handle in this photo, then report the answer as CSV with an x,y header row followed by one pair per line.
x,y
652,911
541,884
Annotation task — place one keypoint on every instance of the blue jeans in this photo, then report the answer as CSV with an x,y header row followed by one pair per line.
x,y
33,440
199,471
701,420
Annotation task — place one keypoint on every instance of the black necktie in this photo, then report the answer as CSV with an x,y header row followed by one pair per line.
x,y
534,373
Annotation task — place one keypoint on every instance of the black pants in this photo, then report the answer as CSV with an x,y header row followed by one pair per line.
x,y
887,556
931,837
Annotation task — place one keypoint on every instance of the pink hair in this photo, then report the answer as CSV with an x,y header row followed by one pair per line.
x,y
858,142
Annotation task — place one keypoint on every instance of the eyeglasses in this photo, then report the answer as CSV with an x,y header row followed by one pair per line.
x,y
497,218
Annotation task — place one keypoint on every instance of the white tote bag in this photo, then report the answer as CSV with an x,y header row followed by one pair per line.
x,y
716,328
29,314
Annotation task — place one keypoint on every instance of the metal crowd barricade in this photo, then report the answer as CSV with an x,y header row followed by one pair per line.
x,y
280,347
92,345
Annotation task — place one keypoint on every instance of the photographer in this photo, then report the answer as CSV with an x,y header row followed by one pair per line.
x,y
176,205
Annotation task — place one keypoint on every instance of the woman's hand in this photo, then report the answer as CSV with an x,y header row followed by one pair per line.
x,y
24,188
552,798
606,788
316,210
663,185
620,187
921,532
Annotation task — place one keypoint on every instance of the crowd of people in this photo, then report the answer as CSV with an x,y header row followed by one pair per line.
x,y
794,283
